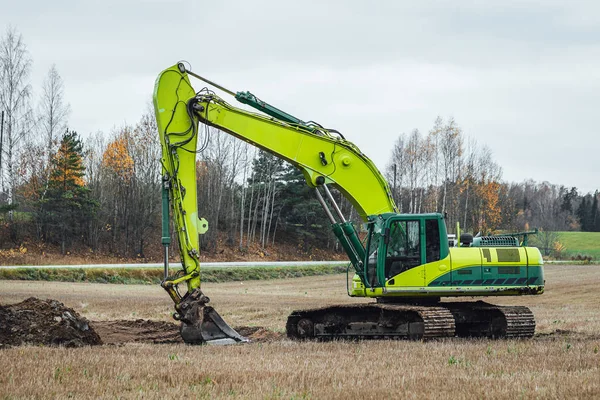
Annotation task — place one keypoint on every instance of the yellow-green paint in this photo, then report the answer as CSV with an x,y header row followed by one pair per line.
x,y
171,91
416,282
347,169
323,157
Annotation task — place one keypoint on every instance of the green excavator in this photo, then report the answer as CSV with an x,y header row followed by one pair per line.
x,y
406,264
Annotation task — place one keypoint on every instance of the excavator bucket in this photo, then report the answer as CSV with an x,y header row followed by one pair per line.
x,y
202,324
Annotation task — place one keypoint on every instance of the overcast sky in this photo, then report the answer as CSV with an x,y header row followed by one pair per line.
x,y
522,77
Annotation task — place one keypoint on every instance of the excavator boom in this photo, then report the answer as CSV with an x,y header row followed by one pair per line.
x,y
324,157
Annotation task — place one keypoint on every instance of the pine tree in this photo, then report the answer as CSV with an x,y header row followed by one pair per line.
x,y
594,220
66,207
302,217
583,214
567,200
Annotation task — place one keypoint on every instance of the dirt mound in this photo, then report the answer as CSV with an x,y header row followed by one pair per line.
x,y
44,322
157,332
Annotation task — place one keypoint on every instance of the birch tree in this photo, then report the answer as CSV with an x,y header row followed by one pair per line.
x,y
396,170
15,94
451,151
94,150
145,151
435,134
53,111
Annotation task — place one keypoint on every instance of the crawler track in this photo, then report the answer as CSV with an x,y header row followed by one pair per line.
x,y
482,319
371,321
396,321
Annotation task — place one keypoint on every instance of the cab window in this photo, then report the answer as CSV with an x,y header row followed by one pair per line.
x,y
404,247
432,240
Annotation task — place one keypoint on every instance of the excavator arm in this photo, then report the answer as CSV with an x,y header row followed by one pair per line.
x,y
324,157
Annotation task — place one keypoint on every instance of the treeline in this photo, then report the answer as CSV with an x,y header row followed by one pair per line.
x,y
102,191
445,171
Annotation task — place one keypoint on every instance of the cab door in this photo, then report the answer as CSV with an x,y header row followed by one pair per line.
x,y
404,253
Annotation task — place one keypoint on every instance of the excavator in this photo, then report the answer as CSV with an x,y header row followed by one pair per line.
x,y
405,263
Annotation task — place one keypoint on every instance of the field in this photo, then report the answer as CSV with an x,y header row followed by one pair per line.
x,y
562,360
581,243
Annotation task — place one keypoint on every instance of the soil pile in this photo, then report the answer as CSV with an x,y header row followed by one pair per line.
x,y
44,322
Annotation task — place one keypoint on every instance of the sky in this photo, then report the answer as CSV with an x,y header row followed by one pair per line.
x,y
521,77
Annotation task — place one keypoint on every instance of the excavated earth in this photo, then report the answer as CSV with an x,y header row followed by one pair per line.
x,y
51,323
146,331
44,322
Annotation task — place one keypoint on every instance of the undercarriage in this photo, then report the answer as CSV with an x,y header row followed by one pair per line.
x,y
415,322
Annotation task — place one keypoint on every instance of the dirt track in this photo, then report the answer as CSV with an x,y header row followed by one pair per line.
x,y
139,331
158,332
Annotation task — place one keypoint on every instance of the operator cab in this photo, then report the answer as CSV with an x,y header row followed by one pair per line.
x,y
397,243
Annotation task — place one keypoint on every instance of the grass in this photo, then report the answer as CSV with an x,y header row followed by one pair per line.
x,y
581,243
562,361
308,371
154,275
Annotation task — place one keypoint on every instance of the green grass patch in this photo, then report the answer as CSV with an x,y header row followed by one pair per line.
x,y
581,243
154,275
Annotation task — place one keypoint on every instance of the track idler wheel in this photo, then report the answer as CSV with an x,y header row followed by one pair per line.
x,y
305,329
202,324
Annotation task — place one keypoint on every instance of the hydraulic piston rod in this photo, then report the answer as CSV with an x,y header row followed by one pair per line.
x,y
334,204
324,205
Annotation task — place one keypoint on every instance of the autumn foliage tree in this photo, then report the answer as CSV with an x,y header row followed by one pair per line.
x,y
107,196
125,174
66,208
117,165
116,159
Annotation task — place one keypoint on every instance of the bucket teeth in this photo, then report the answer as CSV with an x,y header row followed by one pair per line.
x,y
202,324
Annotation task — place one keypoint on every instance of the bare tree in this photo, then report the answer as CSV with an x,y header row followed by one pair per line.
x,y
15,93
451,151
53,111
94,149
144,148
435,133
396,170
223,164
468,177
418,159
249,153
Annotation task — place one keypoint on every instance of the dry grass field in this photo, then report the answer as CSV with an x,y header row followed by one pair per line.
x,y
561,361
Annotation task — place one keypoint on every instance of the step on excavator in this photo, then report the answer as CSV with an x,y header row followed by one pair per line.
x,y
406,264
